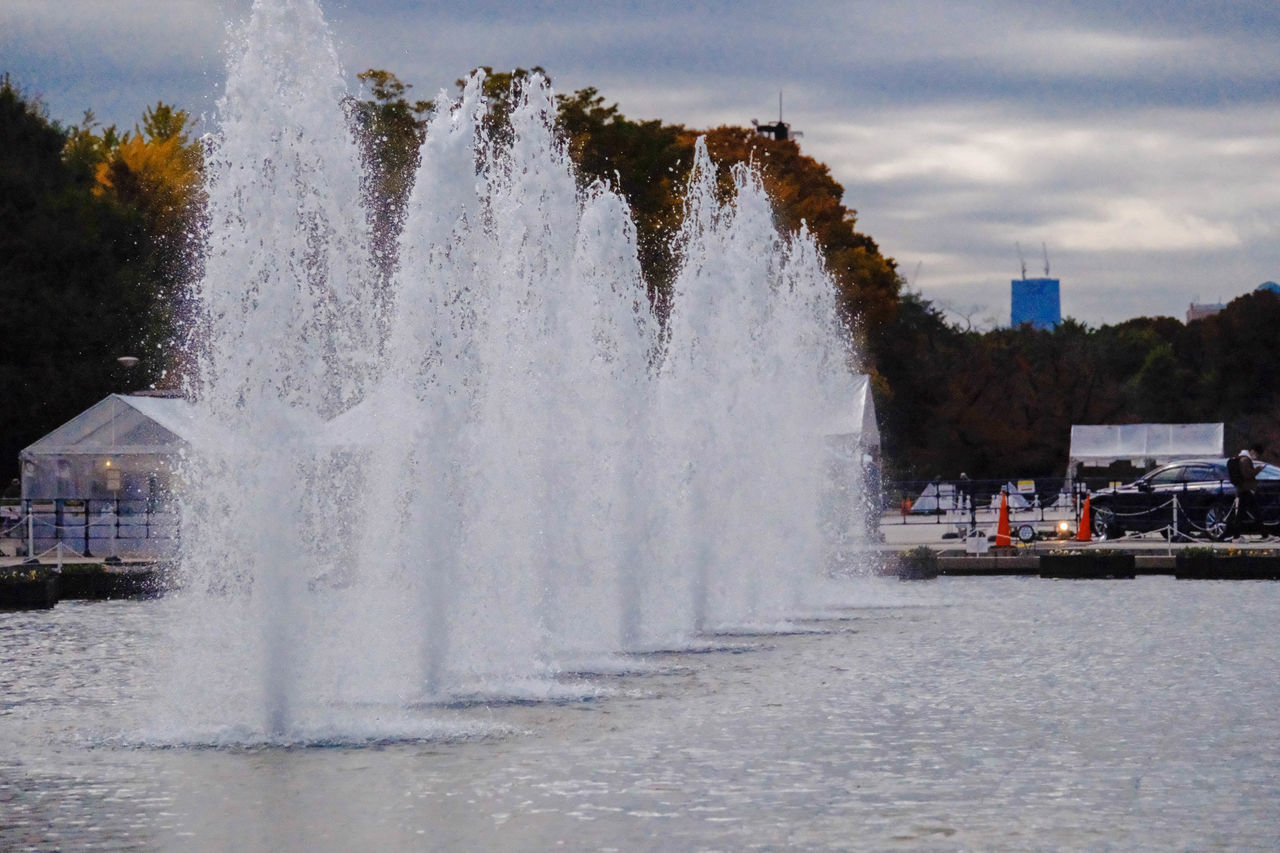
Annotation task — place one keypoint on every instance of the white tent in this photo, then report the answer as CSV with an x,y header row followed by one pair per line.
x,y
946,497
851,502
855,422
851,427
852,438
1100,445
382,411
121,447
936,498
100,483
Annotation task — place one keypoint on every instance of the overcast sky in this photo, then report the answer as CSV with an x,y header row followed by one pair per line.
x,y
1138,141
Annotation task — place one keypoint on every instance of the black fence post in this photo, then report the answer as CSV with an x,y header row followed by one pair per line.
x,y
87,506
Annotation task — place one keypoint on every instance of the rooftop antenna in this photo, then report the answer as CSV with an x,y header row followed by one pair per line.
x,y
1044,249
1022,262
780,131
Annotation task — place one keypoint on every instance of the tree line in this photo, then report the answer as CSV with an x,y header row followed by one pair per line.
x,y
99,233
1002,403
94,226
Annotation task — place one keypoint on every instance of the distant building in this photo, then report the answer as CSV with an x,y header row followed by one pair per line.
x,y
1200,310
1036,301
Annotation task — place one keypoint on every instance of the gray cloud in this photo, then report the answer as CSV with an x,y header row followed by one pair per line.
x,y
1135,139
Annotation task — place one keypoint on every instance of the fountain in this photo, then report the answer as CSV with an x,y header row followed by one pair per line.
x,y
498,466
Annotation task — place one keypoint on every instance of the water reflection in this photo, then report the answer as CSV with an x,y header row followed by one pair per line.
x,y
983,714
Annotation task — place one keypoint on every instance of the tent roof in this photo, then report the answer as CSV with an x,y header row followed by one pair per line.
x,y
122,424
865,411
858,417
1104,444
376,412
855,417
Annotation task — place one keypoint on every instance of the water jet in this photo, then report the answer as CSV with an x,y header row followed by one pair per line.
x,y
499,460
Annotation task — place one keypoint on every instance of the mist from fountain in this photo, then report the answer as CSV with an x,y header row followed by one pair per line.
x,y
499,466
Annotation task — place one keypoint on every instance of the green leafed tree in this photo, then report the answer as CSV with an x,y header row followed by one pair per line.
x,y
391,130
646,161
77,289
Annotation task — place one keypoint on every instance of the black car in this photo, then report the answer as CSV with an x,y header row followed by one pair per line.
x,y
1204,497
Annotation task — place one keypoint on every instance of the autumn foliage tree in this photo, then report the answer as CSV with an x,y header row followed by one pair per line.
x,y
391,129
157,170
648,162
154,174
95,248
78,287
805,195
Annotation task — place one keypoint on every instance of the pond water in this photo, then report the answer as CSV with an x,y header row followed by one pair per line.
x,y
961,714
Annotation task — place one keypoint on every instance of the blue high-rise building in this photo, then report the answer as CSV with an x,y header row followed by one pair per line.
x,y
1035,301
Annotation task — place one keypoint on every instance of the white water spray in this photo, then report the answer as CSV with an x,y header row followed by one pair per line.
x,y
501,469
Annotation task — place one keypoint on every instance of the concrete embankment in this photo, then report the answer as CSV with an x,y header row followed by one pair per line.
x,y
1204,564
43,585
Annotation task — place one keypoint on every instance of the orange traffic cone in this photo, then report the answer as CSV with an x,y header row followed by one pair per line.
x,y
1083,534
1002,527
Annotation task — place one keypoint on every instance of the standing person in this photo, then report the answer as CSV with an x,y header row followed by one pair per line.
x,y
965,487
1244,476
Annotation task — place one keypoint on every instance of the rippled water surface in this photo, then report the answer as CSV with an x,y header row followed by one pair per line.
x,y
961,714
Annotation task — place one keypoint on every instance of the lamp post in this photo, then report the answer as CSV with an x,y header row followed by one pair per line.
x,y
114,477
127,362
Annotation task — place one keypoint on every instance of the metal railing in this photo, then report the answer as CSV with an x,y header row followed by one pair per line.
x,y
953,502
90,527
1174,511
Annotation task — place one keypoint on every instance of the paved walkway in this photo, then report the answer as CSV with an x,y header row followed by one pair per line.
x,y
939,532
